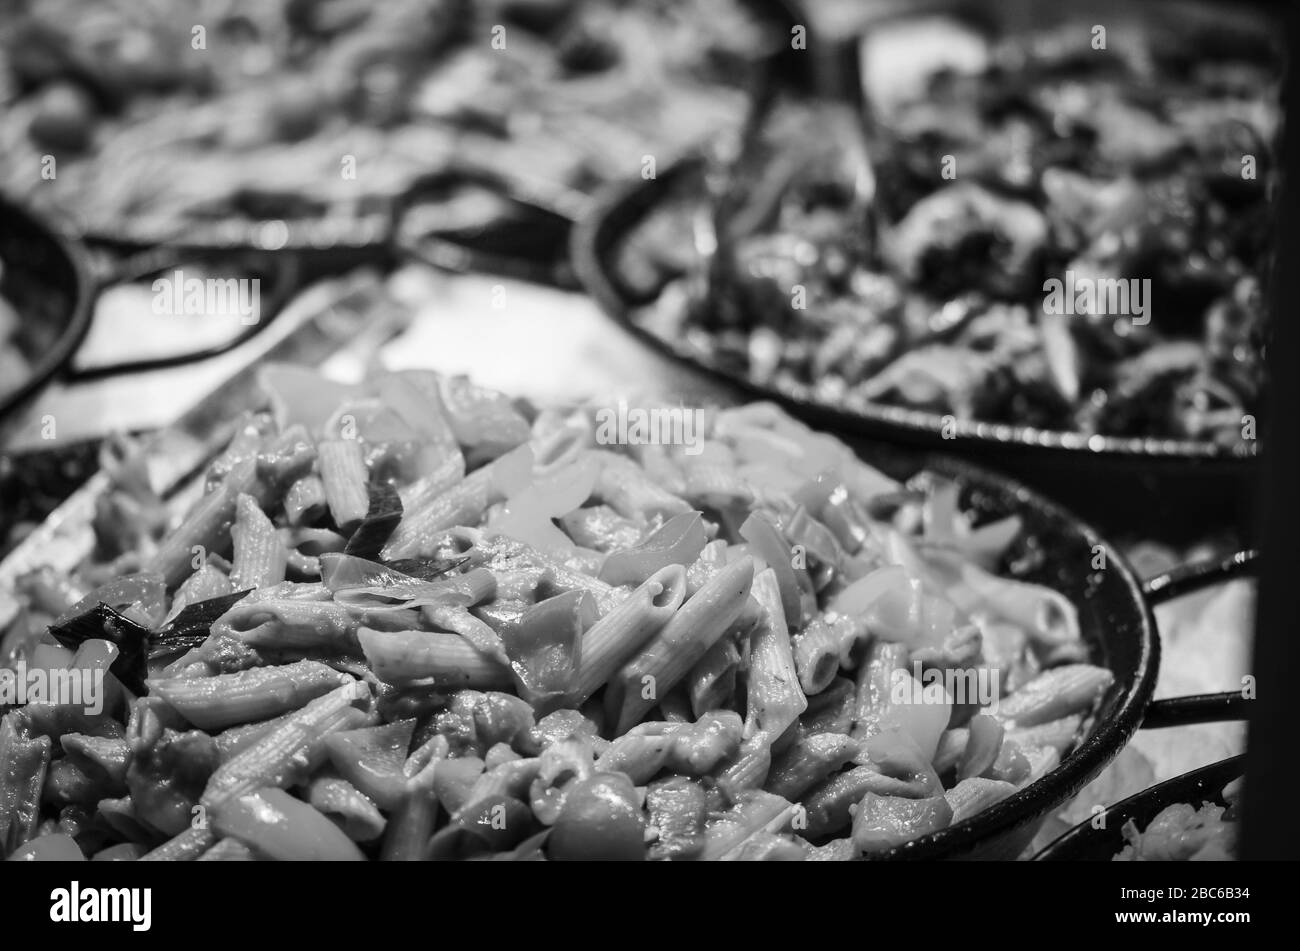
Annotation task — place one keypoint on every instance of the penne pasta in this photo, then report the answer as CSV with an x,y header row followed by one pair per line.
x,y
446,660
213,703
774,699
617,636
343,475
259,559
679,645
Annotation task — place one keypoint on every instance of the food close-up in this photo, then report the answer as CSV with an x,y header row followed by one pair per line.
x,y
661,431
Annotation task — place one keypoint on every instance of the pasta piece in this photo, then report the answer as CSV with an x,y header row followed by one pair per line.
x,y
712,681
807,762
875,686
817,651
293,749
305,502
259,558
1056,693
881,823
832,710
447,660
343,474
973,795
676,807
372,759
343,804
213,703
746,771
774,698
624,486
755,811
617,636
276,825
24,761
679,645
205,527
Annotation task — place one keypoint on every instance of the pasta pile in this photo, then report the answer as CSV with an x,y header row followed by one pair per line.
x,y
413,620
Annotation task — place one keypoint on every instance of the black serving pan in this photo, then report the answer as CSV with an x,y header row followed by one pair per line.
x,y
47,280
1139,484
1098,840
1118,625
1144,485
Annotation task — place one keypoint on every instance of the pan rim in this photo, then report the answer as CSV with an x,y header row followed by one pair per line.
x,y
79,312
616,209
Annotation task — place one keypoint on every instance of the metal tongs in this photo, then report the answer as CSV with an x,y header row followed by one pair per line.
x,y
844,116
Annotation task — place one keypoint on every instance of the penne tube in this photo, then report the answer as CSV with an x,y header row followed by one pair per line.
x,y
411,823
344,805
875,685
830,804
305,502
259,559
280,827
1058,734
755,811
712,559
24,762
832,710
293,749
639,757
213,703
677,809
235,740
624,486
343,474
974,794
447,660
464,503
774,699
678,646
1056,693
617,636
807,762
747,770
712,682
206,527
795,598
817,652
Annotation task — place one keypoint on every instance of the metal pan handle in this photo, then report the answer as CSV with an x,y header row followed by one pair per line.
x,y
1188,579
109,270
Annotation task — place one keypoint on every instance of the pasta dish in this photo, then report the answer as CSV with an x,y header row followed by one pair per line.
x,y
414,619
